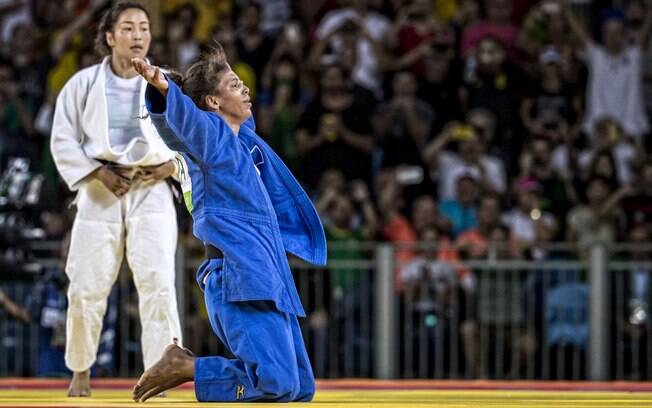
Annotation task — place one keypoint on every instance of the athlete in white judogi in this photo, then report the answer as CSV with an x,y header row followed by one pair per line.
x,y
117,162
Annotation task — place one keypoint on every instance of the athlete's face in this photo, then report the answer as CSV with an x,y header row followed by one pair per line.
x,y
233,97
130,37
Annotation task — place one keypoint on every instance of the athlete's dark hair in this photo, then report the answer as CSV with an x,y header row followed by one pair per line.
x,y
203,77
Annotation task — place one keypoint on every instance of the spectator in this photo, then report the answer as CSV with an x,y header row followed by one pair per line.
x,y
254,47
497,25
469,158
331,182
610,138
502,313
461,211
363,29
543,26
350,286
600,219
602,165
424,212
528,224
440,82
181,45
224,34
394,226
615,85
345,236
16,119
403,124
557,191
476,243
552,96
493,83
281,103
438,291
483,122
412,36
334,132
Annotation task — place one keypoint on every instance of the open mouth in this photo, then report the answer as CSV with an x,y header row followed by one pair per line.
x,y
136,48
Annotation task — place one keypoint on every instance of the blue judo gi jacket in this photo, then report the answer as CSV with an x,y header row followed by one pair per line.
x,y
253,218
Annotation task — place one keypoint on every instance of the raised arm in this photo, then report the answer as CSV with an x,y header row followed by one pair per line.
x,y
576,26
643,37
180,123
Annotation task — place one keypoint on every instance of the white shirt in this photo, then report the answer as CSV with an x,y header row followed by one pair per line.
x,y
123,100
615,89
365,72
522,226
451,167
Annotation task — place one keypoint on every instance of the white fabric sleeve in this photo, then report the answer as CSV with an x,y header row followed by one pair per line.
x,y
67,136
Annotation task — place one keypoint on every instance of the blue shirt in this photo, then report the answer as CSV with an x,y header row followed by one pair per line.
x,y
253,218
462,218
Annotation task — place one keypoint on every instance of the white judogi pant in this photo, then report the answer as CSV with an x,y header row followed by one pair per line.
x,y
144,223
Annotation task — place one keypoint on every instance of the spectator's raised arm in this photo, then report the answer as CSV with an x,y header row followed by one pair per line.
x,y
577,27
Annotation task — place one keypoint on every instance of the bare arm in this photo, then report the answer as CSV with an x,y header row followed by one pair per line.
x,y
13,309
360,194
364,143
305,142
614,200
432,149
577,27
60,43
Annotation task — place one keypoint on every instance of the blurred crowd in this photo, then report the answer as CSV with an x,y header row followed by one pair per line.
x,y
461,123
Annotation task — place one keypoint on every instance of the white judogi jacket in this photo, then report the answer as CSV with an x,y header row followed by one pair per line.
x,y
80,131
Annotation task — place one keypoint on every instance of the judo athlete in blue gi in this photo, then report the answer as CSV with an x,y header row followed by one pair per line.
x,y
249,210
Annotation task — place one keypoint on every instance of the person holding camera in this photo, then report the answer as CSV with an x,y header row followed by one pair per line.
x,y
107,150
335,130
469,158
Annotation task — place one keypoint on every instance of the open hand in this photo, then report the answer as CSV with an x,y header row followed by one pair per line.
x,y
152,74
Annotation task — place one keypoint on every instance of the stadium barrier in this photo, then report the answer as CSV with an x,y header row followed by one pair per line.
x,y
383,310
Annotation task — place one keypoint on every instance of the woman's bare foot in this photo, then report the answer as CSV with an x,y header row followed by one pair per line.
x,y
80,385
175,367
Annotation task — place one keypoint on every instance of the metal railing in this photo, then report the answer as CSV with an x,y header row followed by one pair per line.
x,y
373,312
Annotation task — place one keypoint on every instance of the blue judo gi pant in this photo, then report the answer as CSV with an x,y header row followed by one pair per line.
x,y
271,361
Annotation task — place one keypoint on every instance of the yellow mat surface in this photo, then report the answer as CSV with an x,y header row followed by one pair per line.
x,y
347,398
